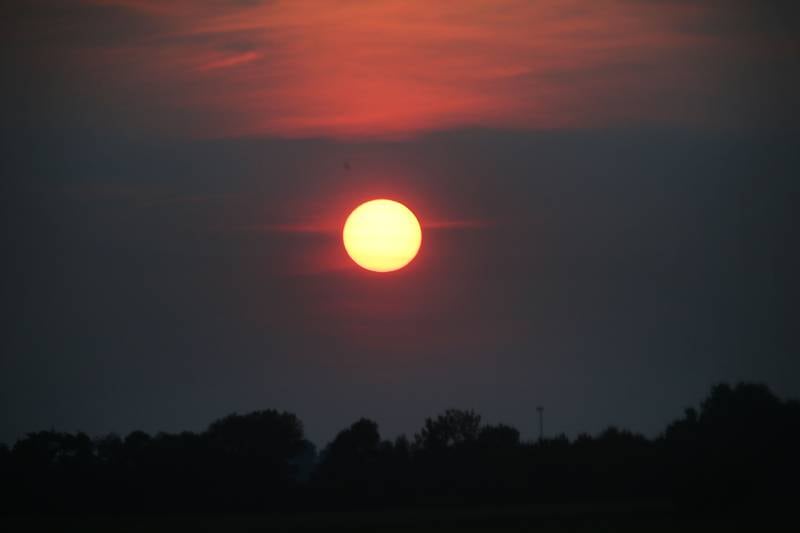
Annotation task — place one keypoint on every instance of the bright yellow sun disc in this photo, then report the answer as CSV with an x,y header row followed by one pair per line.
x,y
382,235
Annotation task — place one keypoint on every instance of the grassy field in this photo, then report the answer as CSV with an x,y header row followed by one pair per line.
x,y
543,519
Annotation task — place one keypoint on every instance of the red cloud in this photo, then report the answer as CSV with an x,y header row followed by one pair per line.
x,y
387,68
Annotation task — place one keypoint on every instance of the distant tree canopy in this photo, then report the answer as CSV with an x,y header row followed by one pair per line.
x,y
51,448
262,434
740,444
351,458
452,428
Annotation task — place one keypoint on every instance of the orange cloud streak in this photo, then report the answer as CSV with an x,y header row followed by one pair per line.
x,y
306,68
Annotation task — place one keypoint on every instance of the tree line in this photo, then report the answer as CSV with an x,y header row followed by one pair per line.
x,y
740,445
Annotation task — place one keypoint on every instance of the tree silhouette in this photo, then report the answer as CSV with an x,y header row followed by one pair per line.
x,y
253,455
452,428
268,435
51,448
739,446
5,455
351,460
499,437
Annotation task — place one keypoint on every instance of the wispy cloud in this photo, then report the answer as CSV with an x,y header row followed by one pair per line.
x,y
388,68
290,228
323,229
458,224
230,61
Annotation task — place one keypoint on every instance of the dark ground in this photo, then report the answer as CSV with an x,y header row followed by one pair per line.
x,y
538,518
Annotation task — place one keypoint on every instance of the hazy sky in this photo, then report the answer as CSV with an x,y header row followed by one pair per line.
x,y
607,192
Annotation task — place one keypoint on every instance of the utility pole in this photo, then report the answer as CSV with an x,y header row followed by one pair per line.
x,y
541,423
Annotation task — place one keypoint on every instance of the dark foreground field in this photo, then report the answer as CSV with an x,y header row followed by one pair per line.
x,y
544,519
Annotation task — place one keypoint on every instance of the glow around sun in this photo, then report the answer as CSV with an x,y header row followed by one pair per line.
x,y
382,235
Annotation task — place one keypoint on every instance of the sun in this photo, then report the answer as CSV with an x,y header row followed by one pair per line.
x,y
382,235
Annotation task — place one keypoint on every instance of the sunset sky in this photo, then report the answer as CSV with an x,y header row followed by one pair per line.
x,y
607,192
